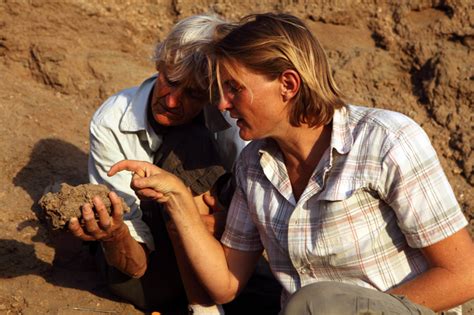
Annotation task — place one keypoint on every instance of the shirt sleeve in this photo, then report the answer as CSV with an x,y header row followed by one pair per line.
x,y
416,187
105,151
241,233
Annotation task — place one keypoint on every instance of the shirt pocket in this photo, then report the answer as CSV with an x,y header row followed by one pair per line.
x,y
347,220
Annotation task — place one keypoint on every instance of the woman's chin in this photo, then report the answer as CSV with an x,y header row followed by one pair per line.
x,y
245,135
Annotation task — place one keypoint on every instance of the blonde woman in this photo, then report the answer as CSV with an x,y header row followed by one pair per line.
x,y
350,203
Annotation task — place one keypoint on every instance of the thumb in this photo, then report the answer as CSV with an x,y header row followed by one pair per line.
x,y
212,202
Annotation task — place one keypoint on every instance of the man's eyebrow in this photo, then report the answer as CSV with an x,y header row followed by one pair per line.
x,y
167,79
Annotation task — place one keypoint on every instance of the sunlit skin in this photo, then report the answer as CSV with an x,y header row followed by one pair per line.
x,y
255,118
173,104
263,112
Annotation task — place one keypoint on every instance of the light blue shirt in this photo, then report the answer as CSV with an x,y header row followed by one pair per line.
x,y
120,130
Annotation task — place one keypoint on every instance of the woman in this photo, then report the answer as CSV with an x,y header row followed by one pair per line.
x,y
350,203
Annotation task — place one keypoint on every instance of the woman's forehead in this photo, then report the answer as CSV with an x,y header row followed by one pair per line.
x,y
231,70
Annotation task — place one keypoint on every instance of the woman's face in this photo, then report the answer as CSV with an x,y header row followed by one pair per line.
x,y
255,101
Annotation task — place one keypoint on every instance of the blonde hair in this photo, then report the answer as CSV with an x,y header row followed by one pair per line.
x,y
183,52
269,44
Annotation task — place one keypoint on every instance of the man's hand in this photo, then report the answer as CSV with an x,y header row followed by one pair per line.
x,y
120,249
215,221
107,228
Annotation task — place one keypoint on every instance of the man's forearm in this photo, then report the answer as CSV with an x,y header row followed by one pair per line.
x,y
124,253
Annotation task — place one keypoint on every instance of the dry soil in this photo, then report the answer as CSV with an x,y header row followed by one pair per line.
x,y
60,59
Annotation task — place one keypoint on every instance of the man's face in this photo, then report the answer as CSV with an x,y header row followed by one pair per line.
x,y
173,104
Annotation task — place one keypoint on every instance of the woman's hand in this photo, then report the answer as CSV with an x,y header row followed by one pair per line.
x,y
149,181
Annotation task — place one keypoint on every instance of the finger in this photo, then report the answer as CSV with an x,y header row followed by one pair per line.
x,y
215,223
89,221
101,209
159,181
210,201
76,230
117,209
139,174
133,166
148,194
209,221
124,165
213,203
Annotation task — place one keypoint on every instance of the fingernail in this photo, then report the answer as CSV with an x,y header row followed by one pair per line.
x,y
87,213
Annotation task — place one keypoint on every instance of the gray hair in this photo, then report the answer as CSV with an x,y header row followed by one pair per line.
x,y
183,52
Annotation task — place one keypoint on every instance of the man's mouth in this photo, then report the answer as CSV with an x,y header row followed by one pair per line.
x,y
172,112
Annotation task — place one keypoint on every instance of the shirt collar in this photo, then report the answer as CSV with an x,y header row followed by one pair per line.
x,y
134,118
341,137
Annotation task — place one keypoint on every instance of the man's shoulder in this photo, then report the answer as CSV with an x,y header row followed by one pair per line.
x,y
114,107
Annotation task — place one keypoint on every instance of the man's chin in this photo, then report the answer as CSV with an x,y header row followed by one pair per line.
x,y
168,121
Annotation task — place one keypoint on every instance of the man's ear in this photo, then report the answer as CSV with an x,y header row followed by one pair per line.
x,y
290,84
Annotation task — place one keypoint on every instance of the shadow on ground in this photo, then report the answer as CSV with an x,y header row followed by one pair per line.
x,y
52,161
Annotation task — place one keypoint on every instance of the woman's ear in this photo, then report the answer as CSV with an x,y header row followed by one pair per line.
x,y
290,84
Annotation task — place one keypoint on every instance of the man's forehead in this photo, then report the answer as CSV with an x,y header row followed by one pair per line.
x,y
186,79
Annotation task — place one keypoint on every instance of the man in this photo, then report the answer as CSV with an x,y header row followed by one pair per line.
x,y
165,120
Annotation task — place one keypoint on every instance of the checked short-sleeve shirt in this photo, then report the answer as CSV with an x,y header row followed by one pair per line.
x,y
376,197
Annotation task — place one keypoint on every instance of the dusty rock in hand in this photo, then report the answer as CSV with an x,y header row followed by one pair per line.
x,y
63,203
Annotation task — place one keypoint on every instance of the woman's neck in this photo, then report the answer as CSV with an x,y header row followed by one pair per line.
x,y
301,144
303,148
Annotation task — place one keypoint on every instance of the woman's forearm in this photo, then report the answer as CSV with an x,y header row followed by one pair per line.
x,y
204,253
438,289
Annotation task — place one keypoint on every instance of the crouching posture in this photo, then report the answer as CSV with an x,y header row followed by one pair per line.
x,y
350,203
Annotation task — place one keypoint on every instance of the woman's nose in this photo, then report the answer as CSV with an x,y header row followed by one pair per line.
x,y
224,104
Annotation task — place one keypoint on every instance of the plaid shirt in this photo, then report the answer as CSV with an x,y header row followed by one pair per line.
x,y
376,197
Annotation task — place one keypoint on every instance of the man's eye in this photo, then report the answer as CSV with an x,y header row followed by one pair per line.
x,y
171,83
196,94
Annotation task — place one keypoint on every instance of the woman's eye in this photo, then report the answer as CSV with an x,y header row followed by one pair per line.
x,y
234,88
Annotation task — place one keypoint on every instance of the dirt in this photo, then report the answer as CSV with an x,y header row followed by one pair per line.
x,y
63,201
60,59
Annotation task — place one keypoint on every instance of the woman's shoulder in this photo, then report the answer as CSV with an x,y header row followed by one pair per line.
x,y
379,118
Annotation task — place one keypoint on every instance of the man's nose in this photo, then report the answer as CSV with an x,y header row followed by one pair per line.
x,y
173,98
